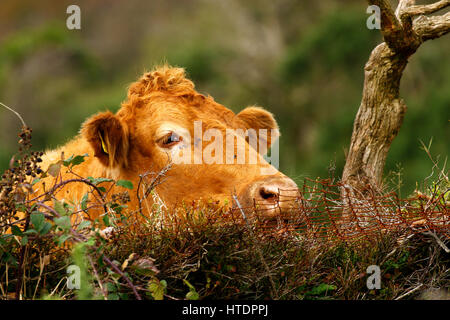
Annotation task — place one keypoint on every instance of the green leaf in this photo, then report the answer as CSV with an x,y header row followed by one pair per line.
x,y
90,242
63,222
9,258
321,289
6,236
125,183
37,219
157,288
106,220
118,208
84,201
66,162
123,296
16,231
45,228
78,159
63,238
36,180
113,296
83,224
192,295
59,207
20,207
96,181
74,160
30,231
111,287
24,240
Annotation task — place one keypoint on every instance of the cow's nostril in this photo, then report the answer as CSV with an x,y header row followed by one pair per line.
x,y
267,194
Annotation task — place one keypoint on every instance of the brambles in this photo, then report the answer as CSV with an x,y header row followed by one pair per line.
x,y
36,227
17,181
203,251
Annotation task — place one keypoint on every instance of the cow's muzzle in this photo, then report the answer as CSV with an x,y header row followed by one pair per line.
x,y
274,197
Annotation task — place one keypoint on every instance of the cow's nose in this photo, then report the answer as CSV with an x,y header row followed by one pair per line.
x,y
274,196
269,193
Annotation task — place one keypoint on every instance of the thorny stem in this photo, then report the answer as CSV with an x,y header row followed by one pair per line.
x,y
130,284
154,183
80,238
20,270
61,184
100,284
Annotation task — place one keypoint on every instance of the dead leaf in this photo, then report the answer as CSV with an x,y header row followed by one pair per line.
x,y
145,266
46,260
128,260
54,169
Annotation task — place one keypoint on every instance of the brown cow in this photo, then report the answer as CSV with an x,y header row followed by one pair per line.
x,y
154,124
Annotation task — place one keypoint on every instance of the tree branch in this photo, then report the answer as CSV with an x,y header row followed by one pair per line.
x,y
433,27
402,5
406,10
399,31
423,9
390,25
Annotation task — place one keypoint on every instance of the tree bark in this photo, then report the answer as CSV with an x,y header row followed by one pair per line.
x,y
381,112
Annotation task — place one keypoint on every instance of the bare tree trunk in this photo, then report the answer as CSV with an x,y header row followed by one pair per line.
x,y
381,112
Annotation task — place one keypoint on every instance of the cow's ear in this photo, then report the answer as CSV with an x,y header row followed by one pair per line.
x,y
108,136
258,119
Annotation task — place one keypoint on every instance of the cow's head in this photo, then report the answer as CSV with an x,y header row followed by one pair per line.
x,y
164,120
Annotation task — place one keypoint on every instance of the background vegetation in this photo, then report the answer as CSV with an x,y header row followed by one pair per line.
x,y
302,60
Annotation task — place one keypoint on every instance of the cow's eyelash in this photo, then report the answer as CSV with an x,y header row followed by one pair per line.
x,y
170,139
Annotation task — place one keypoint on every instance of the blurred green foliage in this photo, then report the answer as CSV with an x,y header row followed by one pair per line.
x,y
24,43
302,62
333,46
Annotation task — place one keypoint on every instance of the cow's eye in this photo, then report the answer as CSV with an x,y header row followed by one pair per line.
x,y
170,139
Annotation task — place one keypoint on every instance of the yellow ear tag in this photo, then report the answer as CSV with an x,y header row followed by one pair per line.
x,y
103,144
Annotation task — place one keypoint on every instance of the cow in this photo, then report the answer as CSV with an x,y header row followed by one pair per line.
x,y
156,122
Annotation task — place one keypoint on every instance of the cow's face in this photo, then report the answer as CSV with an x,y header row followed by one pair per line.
x,y
165,121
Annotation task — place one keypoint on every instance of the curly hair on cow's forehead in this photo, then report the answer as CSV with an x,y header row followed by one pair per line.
x,y
163,78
